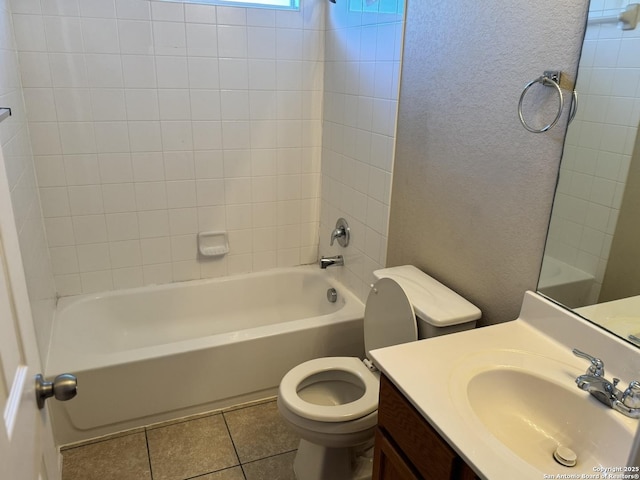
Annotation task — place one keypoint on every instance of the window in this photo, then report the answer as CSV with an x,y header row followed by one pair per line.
x,y
279,4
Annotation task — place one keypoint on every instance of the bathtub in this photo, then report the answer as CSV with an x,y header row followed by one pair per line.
x,y
156,353
564,283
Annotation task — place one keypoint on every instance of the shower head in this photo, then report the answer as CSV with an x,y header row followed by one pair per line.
x,y
332,1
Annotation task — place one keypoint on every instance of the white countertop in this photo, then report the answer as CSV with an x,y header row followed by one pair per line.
x,y
429,373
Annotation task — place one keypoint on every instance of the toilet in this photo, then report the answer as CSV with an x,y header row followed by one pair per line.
x,y
332,402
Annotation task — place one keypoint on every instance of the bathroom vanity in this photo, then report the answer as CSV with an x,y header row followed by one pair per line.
x,y
500,402
407,447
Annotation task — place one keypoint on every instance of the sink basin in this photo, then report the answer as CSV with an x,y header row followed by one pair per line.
x,y
529,405
533,416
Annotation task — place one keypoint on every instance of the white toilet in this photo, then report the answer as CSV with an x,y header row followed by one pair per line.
x,y
332,402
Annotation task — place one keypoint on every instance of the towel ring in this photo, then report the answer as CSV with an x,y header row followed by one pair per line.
x,y
546,81
574,106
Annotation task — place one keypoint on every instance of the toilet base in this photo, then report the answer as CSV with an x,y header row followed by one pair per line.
x,y
316,462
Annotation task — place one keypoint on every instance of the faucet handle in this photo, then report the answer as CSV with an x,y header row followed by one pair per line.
x,y
342,232
597,366
631,396
337,233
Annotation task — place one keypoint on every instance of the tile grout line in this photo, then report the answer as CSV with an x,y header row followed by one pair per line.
x,y
215,471
146,439
224,418
270,456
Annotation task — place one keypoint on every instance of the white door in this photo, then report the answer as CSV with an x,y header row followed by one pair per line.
x,y
24,429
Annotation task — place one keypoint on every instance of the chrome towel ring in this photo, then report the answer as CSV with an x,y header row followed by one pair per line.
x,y
574,106
548,79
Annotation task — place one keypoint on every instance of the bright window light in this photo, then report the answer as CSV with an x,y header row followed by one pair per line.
x,y
279,4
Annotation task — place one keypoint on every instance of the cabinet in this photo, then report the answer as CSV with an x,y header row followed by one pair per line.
x,y
407,447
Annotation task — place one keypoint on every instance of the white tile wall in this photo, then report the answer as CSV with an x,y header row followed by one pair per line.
x,y
19,163
362,68
151,121
598,146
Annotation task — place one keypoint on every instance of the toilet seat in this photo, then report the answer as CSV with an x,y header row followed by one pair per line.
x,y
389,318
348,368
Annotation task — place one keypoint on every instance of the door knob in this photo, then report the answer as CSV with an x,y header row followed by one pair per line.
x,y
64,387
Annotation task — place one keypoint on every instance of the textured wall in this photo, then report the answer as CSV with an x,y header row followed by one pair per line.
x,y
472,189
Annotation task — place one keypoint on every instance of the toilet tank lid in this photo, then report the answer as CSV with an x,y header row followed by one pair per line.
x,y
433,302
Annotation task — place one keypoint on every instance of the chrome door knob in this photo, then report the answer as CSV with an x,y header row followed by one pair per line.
x,y
64,387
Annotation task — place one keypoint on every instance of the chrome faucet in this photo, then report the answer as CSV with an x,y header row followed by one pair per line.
x,y
337,261
626,402
342,233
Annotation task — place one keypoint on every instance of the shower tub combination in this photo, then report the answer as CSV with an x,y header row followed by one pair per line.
x,y
156,353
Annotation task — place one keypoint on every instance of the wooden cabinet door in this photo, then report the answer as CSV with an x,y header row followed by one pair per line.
x,y
388,464
407,447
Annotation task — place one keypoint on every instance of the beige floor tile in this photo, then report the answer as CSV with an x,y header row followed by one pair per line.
x,y
102,438
260,432
234,473
185,450
278,467
122,458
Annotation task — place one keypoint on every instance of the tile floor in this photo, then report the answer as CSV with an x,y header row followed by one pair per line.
x,y
239,443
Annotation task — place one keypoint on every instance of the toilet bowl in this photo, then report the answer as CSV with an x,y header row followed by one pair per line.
x,y
332,402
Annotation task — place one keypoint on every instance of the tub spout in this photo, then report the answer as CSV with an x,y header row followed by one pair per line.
x,y
337,261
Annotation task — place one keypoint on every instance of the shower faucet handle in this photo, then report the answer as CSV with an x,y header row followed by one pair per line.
x,y
337,233
342,233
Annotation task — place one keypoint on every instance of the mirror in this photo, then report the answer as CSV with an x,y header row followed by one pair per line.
x,y
591,261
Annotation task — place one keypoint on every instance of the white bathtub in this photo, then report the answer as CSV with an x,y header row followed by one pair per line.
x,y
564,283
155,353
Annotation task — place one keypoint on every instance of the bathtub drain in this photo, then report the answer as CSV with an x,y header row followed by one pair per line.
x,y
332,295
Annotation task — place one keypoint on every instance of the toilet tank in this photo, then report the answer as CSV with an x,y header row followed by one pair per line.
x,y
439,310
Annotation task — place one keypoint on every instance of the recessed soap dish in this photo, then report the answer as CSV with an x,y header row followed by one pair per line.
x,y
213,244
